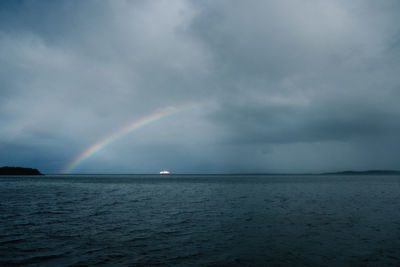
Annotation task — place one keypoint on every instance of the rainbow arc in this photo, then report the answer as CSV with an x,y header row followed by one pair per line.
x,y
130,127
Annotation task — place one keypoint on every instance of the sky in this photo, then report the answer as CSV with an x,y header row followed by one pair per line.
x,y
211,86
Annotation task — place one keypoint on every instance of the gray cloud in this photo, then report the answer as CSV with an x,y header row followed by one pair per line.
x,y
275,81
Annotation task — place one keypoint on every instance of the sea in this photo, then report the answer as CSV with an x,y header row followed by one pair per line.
x,y
200,220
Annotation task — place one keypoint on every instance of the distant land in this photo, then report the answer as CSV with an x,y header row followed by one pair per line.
x,y
18,171
369,172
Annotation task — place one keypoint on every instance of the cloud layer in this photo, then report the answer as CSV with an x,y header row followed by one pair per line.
x,y
280,86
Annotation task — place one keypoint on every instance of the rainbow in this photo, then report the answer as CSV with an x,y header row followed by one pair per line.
x,y
132,126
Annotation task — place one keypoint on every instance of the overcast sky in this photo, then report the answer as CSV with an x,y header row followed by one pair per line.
x,y
277,86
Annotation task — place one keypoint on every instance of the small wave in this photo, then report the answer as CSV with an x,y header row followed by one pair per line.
x,y
184,257
11,241
185,221
113,204
41,258
90,251
168,233
24,224
46,212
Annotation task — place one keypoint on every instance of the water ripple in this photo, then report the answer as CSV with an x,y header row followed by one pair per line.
x,y
201,221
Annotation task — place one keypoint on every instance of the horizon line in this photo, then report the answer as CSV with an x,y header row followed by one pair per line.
x,y
388,171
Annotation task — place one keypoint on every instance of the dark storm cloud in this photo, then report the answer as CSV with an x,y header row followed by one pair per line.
x,y
274,81
314,72
278,124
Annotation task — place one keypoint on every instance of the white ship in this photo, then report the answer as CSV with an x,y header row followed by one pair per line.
x,y
164,172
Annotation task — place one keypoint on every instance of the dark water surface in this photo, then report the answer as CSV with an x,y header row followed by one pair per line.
x,y
200,220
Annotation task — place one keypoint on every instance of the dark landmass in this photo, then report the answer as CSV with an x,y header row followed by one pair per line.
x,y
370,172
18,171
